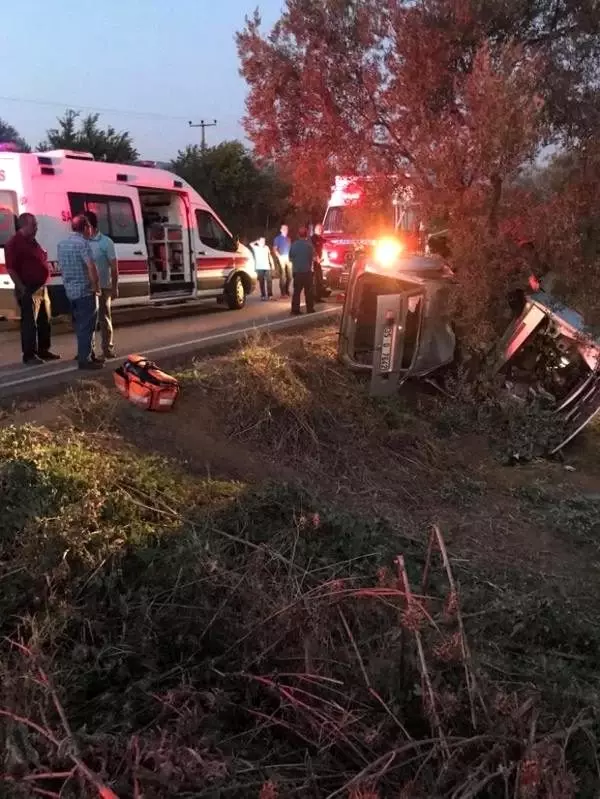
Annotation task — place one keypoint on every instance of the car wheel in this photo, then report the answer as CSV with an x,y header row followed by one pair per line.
x,y
236,294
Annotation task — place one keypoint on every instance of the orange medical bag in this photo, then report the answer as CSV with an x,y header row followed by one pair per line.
x,y
145,385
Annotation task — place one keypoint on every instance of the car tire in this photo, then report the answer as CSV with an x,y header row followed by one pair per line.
x,y
235,294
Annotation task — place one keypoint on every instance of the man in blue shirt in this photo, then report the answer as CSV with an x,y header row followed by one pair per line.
x,y
82,286
301,256
281,245
105,258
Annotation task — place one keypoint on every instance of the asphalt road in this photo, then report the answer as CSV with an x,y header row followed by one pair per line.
x,y
164,332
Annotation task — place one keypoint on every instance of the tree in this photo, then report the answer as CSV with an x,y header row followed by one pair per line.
x,y
250,197
104,144
461,94
10,135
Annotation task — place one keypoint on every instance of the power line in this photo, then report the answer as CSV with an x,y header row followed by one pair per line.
x,y
77,106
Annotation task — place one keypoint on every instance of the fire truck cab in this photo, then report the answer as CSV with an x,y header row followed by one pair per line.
x,y
171,246
343,231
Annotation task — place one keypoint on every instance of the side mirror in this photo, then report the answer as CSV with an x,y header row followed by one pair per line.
x,y
236,242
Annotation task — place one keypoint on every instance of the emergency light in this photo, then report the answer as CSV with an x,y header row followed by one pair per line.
x,y
387,251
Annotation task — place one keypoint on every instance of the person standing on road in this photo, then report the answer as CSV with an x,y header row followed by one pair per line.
x,y
82,287
281,245
105,258
27,265
318,243
264,267
301,257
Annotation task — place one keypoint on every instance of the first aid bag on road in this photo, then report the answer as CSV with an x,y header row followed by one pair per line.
x,y
145,385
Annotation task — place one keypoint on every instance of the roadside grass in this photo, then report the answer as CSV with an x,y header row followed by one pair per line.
x,y
167,633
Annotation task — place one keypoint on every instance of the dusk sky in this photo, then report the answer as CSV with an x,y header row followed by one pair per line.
x,y
157,64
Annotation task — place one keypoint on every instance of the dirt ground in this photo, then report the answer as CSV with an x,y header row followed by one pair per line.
x,y
455,480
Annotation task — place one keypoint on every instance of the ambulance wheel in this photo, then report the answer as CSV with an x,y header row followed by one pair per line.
x,y
236,294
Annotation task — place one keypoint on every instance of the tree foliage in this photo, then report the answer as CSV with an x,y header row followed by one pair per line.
x,y
86,135
10,135
461,94
250,197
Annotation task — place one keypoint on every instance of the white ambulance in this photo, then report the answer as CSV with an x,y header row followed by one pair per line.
x,y
170,244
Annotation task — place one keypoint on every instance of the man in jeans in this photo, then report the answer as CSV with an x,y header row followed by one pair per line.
x,y
82,286
105,258
301,256
264,264
281,245
27,265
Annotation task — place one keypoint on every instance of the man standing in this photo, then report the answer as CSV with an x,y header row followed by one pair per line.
x,y
27,265
317,241
82,286
264,265
301,256
105,258
281,245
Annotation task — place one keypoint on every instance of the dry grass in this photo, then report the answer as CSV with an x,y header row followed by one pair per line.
x,y
167,634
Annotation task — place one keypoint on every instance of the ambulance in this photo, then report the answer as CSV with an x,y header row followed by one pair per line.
x,y
171,246
342,229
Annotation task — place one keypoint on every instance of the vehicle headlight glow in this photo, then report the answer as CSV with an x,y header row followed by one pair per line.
x,y
386,251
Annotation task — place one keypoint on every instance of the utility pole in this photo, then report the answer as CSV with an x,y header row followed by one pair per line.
x,y
202,124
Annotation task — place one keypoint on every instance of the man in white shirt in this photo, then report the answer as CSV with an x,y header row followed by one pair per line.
x,y
105,258
264,267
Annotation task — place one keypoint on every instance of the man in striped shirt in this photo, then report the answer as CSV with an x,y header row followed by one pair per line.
x,y
82,287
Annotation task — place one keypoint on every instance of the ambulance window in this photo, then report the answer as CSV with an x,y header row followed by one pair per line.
x,y
116,217
213,234
8,210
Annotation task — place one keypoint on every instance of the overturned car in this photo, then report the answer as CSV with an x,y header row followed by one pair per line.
x,y
396,324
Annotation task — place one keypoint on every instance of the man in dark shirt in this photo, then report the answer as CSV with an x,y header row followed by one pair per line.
x,y
301,256
27,265
317,242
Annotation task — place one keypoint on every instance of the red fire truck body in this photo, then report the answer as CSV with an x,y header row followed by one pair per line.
x,y
343,232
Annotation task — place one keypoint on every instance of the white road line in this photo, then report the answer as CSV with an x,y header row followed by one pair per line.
x,y
68,369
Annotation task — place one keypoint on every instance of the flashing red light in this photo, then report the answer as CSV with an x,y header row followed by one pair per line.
x,y
333,255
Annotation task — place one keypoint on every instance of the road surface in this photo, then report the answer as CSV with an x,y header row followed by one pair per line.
x,y
188,328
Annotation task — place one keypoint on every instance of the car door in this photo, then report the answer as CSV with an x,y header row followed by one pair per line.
x,y
214,252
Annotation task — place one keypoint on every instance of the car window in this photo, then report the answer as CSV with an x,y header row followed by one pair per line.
x,y
213,234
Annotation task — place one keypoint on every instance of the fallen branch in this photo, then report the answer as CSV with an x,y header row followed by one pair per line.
x,y
370,688
104,792
403,576
472,687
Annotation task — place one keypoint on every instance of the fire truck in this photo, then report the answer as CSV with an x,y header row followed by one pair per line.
x,y
344,229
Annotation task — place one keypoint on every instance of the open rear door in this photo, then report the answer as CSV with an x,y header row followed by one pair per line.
x,y
397,337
